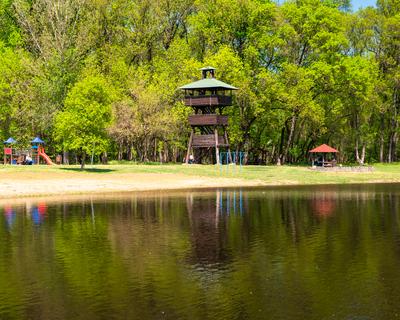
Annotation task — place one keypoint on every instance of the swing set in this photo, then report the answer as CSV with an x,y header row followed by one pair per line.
x,y
231,160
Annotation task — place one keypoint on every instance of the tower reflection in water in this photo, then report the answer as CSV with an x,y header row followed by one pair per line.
x,y
208,218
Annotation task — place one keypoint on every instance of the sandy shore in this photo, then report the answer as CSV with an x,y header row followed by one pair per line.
x,y
34,185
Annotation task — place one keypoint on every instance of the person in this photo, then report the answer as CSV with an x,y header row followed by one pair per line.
x,y
191,159
28,160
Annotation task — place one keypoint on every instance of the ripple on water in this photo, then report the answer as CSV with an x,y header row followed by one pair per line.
x,y
295,254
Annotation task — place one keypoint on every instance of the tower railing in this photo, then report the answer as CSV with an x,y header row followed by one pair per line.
x,y
208,100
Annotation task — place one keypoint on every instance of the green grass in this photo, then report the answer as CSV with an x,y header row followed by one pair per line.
x,y
265,174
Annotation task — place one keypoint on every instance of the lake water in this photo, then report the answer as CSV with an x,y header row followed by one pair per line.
x,y
285,253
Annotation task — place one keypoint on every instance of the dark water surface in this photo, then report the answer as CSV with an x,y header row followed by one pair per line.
x,y
286,253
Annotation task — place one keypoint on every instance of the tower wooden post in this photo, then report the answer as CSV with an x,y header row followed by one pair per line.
x,y
216,146
229,149
189,147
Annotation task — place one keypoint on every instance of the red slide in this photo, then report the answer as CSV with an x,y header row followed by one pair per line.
x,y
45,157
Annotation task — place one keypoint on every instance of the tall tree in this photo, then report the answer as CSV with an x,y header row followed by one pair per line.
x,y
82,125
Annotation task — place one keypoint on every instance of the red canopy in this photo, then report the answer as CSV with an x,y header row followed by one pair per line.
x,y
324,149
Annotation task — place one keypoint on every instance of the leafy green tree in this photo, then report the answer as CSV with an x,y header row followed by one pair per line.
x,y
10,33
15,94
356,78
82,125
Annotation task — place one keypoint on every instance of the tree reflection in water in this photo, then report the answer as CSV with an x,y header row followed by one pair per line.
x,y
289,253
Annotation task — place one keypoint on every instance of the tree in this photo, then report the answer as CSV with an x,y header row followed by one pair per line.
x,y
15,94
82,125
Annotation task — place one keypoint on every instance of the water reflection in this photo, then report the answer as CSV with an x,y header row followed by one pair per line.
x,y
324,204
285,253
38,213
9,213
208,224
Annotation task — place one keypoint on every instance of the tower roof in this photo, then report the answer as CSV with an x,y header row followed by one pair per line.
x,y
208,68
208,83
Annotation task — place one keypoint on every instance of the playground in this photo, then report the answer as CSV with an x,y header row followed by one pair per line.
x,y
14,154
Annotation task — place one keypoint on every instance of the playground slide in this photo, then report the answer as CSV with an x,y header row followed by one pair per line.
x,y
46,158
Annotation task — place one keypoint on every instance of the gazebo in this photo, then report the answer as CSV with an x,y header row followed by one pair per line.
x,y
321,152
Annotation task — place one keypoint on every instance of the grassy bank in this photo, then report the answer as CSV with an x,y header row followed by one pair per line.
x,y
268,175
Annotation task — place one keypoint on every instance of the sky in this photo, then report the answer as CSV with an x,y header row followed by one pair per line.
x,y
357,4
362,3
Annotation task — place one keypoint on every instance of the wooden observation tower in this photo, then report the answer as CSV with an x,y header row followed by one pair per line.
x,y
208,97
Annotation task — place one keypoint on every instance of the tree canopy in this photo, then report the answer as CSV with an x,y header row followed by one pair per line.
x,y
103,76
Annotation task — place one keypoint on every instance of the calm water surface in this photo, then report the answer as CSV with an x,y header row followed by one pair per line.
x,y
286,253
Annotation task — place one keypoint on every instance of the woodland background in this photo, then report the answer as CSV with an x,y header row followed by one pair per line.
x,y
102,76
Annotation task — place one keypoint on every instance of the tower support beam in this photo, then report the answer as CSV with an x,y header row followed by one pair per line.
x,y
189,147
216,145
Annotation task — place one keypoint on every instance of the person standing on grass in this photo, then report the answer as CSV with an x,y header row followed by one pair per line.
x,y
191,159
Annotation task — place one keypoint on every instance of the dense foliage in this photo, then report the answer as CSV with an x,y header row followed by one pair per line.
x,y
102,76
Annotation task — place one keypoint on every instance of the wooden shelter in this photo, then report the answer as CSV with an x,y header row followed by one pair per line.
x,y
208,97
322,150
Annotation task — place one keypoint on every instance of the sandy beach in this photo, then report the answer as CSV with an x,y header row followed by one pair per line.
x,y
32,184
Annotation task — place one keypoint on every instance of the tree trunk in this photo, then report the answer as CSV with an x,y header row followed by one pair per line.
x,y
361,159
357,155
155,150
271,157
160,156
363,154
145,153
279,160
129,152
166,153
382,141
394,145
120,152
175,154
104,158
290,138
83,158
65,157
392,153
